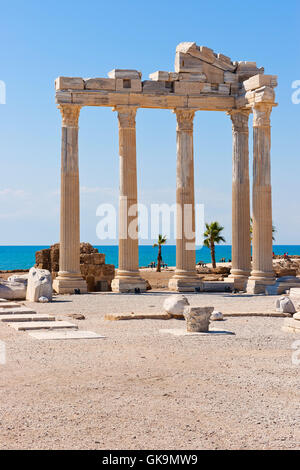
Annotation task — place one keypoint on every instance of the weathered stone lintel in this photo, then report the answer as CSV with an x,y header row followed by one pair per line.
x,y
206,102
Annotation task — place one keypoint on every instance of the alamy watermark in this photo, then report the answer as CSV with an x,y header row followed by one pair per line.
x,y
138,221
2,353
2,92
296,353
296,93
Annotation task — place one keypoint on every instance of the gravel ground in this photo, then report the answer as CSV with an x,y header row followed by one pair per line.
x,y
139,389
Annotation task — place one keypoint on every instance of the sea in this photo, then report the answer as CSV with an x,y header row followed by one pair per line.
x,y
23,257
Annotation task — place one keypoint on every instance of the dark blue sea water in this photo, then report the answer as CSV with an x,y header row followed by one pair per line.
x,y
23,257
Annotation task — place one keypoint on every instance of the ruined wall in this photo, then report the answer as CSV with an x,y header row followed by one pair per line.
x,y
97,274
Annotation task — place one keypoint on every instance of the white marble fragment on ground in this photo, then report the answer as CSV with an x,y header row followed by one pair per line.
x,y
39,285
175,304
285,305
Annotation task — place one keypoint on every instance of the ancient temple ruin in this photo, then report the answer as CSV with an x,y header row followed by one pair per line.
x,y
202,81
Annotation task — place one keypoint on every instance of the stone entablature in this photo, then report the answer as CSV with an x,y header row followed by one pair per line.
x,y
203,80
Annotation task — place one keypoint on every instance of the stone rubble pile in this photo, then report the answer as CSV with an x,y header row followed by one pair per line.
x,y
198,70
97,274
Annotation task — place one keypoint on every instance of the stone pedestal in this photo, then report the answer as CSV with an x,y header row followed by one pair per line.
x,y
197,318
128,278
69,277
185,278
262,273
241,244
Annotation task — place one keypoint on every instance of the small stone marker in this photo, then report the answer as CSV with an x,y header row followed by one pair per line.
x,y
70,334
197,318
23,326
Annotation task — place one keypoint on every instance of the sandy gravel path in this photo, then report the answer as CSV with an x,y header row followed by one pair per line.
x,y
138,389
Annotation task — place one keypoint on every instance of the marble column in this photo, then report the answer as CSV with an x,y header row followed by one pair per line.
x,y
185,278
69,276
241,243
262,267
128,277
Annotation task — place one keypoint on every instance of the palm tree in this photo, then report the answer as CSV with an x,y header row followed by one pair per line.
x,y
211,237
161,241
274,230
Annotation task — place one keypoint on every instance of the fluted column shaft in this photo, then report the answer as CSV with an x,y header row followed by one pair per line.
x,y
128,277
69,276
185,273
241,244
262,268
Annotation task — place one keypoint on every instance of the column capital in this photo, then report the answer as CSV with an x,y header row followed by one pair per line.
x,y
239,119
262,114
185,119
126,116
70,114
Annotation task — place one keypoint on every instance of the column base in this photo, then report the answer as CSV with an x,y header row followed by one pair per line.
x,y
185,282
240,278
128,282
66,284
258,281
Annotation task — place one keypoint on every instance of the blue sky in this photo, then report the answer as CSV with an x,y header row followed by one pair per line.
x,y
42,40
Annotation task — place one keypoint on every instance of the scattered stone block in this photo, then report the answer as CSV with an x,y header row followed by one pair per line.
x,y
16,311
181,332
192,77
61,335
296,316
23,278
39,285
108,84
174,305
230,77
26,317
188,88
285,305
197,318
38,325
291,325
217,316
218,286
128,85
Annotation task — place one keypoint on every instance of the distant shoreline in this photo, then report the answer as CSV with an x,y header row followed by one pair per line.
x,y
22,257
